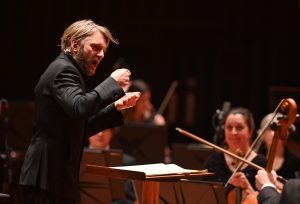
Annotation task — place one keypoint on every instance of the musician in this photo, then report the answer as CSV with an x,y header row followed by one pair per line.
x,y
143,111
286,164
67,112
238,130
266,184
102,139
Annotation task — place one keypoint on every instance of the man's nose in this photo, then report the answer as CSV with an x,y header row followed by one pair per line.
x,y
100,54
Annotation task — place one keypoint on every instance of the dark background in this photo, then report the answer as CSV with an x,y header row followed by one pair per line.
x,y
243,52
233,50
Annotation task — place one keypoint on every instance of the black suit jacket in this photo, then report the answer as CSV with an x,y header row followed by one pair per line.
x,y
289,195
66,113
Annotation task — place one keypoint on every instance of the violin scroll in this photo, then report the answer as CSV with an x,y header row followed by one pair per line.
x,y
288,109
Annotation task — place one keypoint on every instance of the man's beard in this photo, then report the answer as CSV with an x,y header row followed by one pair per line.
x,y
83,62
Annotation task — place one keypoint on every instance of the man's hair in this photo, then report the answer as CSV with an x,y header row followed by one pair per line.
x,y
80,30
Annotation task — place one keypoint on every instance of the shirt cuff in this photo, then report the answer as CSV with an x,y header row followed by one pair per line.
x,y
268,185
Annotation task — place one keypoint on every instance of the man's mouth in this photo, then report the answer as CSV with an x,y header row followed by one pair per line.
x,y
95,63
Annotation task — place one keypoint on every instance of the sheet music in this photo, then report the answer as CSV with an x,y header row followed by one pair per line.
x,y
159,169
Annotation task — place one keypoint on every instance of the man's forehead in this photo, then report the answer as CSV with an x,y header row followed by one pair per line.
x,y
96,38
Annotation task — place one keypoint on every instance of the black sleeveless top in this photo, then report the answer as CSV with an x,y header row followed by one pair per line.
x,y
216,164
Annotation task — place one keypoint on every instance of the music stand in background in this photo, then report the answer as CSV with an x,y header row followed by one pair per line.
x,y
95,189
145,142
190,156
192,192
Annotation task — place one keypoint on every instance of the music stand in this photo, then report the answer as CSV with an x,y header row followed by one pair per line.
x,y
96,189
147,178
192,192
196,154
139,139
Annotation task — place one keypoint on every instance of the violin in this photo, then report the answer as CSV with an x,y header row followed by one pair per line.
x,y
288,113
288,109
236,194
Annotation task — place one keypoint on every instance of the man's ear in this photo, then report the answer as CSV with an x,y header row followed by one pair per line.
x,y
74,46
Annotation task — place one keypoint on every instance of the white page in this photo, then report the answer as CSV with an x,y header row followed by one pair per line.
x,y
157,169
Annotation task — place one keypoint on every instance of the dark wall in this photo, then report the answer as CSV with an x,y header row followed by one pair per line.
x,y
217,50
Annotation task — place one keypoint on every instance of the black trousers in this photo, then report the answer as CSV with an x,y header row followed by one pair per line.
x,y
34,195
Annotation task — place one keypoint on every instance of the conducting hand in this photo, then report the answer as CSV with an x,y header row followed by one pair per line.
x,y
127,101
122,77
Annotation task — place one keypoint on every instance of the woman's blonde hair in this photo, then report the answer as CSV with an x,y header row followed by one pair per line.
x,y
80,30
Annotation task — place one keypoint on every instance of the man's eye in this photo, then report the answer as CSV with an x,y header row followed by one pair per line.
x,y
96,47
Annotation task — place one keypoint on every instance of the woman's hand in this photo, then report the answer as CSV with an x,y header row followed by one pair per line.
x,y
239,179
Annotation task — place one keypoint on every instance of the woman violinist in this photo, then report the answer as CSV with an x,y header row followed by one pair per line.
x,y
238,130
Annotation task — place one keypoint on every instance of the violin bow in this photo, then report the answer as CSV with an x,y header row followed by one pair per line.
x,y
199,139
167,97
243,160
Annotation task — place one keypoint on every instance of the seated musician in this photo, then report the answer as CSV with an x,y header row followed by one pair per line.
x,y
143,111
238,130
102,140
286,164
